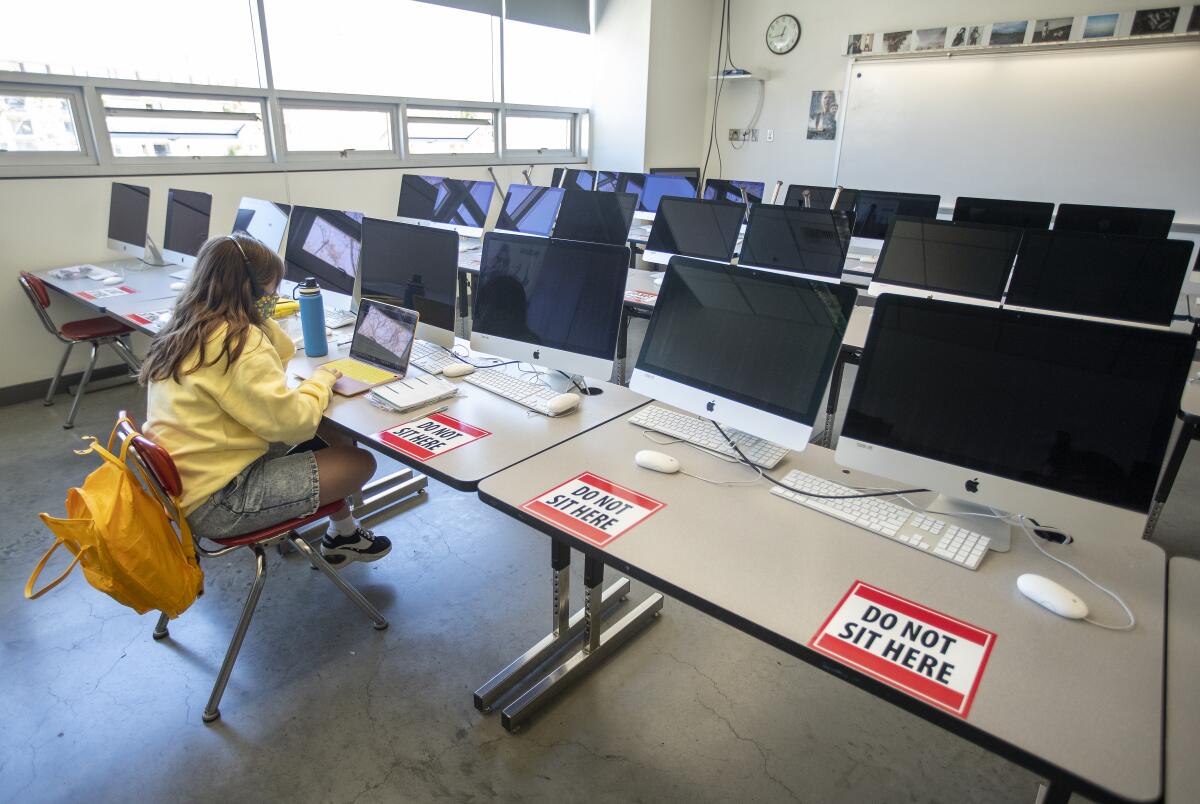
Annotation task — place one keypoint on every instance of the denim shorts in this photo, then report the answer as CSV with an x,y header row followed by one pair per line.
x,y
275,488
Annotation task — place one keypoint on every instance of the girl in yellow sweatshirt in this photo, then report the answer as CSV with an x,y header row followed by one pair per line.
x,y
219,403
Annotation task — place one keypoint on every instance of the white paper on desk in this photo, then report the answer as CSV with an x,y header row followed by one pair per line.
x,y
413,392
86,271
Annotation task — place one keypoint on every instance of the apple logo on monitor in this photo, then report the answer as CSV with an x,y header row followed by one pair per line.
x,y
537,354
972,485
711,406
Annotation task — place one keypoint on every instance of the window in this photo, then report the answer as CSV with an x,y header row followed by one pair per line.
x,y
343,130
537,132
547,66
396,48
38,121
451,131
184,126
146,40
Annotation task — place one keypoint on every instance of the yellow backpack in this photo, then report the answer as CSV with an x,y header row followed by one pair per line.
x,y
121,533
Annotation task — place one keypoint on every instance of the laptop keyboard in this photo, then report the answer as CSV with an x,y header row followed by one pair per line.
x,y
363,372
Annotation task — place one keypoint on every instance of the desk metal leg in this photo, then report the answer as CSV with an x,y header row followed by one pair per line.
x,y
835,387
618,374
1052,793
1186,433
597,646
464,307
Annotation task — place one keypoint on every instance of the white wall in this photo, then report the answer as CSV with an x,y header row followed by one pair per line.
x,y
621,43
47,223
679,56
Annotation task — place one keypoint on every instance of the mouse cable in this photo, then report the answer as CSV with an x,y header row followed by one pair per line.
x,y
1020,520
583,389
786,487
475,365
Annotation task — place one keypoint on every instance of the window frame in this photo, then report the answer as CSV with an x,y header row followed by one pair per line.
x,y
288,101
86,155
495,109
573,121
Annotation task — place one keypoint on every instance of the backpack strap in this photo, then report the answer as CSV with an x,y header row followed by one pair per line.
x,y
41,565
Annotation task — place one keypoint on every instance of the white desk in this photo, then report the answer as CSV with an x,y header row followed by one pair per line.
x,y
1183,681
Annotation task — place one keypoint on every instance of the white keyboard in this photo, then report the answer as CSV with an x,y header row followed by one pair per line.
x,y
703,433
336,319
920,531
431,357
526,394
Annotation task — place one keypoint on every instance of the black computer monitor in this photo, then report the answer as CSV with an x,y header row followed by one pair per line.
x,y
188,214
1015,410
553,302
751,349
1001,212
462,203
1114,220
820,197
414,267
660,185
694,228
631,183
595,217
942,258
128,213
691,172
810,243
874,211
529,209
731,190
573,177
324,243
606,181
1116,277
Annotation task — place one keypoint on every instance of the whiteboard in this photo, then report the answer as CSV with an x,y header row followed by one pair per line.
x,y
1115,125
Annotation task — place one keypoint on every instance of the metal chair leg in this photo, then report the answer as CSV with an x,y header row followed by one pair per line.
x,y
212,710
62,365
160,628
121,347
87,375
341,583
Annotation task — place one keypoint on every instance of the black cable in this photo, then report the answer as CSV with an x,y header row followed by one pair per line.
x,y
766,476
581,388
712,131
475,365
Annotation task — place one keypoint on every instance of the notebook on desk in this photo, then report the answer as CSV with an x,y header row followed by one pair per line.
x,y
379,351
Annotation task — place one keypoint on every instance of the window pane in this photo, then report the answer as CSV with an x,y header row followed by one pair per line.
x,y
545,66
401,48
445,131
37,123
150,40
152,125
337,129
533,133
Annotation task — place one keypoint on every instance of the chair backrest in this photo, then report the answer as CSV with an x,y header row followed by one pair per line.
x,y
156,460
39,297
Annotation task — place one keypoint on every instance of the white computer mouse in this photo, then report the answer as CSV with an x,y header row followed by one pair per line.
x,y
658,279
457,370
178,285
562,403
1057,598
656,461
113,280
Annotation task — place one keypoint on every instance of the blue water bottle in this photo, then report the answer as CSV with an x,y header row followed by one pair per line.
x,y
312,318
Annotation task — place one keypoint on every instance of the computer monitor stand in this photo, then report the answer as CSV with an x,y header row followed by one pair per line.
x,y
153,257
570,383
979,518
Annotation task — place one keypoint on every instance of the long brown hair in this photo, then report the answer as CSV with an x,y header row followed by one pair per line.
x,y
220,291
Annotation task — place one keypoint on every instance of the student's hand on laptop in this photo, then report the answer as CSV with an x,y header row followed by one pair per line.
x,y
337,375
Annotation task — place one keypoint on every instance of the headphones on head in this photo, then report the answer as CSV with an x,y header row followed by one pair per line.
x,y
255,289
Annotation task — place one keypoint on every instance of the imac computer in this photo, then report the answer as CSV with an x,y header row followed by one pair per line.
x,y
415,267
874,212
739,192
965,262
265,221
128,213
529,210
812,196
1020,412
459,204
691,227
606,181
324,243
805,243
657,186
1131,279
595,217
188,214
573,177
692,173
750,349
555,303
1114,220
1001,212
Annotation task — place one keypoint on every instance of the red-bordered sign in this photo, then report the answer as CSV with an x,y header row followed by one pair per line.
x,y
431,436
592,508
104,293
931,656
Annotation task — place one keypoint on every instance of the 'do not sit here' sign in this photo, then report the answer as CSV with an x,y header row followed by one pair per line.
x,y
931,656
592,508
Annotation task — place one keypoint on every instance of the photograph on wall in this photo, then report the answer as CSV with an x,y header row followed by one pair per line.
x,y
930,39
966,36
822,115
1100,25
860,43
1009,33
1054,30
897,41
1154,21
1194,22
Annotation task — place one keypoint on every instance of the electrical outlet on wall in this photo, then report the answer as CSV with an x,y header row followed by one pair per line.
x,y
743,135
770,135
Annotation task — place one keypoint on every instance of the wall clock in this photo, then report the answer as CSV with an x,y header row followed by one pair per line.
x,y
782,34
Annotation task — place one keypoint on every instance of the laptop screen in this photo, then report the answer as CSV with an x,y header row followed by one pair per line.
x,y
383,335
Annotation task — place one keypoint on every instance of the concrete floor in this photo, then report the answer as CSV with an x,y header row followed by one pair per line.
x,y
323,708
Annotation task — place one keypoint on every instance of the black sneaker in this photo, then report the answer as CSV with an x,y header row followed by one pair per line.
x,y
362,546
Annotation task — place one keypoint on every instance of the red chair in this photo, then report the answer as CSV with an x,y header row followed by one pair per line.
x,y
102,331
164,475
